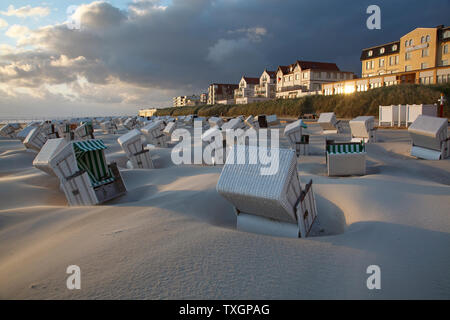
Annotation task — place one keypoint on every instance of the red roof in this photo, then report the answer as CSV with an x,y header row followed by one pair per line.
x,y
251,80
306,65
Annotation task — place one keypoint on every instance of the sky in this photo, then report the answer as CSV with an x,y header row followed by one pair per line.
x,y
81,58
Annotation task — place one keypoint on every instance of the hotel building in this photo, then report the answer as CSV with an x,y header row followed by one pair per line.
x,y
221,93
421,56
183,101
256,89
307,77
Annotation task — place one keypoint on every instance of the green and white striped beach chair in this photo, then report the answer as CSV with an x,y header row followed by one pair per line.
x,y
345,158
85,176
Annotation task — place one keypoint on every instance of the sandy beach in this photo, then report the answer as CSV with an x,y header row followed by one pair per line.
x,y
172,236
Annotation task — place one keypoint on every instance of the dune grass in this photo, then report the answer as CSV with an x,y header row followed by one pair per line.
x,y
345,106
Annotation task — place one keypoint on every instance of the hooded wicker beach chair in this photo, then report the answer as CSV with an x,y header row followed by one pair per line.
x,y
138,156
298,141
10,130
252,122
84,132
363,129
35,139
84,174
153,132
47,152
215,122
345,158
429,138
130,123
273,204
22,134
329,123
108,127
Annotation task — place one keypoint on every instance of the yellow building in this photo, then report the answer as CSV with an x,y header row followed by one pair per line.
x,y
420,49
421,56
147,112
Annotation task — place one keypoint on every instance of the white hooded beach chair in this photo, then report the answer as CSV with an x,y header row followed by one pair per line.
x,y
252,122
22,134
215,122
363,129
84,174
138,156
84,132
272,204
169,129
153,132
298,141
345,158
130,123
35,139
429,138
329,123
10,130
108,127
47,152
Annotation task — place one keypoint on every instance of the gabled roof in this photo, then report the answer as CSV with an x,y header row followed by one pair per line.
x,y
272,74
309,65
251,80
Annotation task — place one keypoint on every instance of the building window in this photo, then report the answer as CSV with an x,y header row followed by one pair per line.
x,y
408,68
424,65
296,77
370,53
444,62
425,52
446,34
305,75
394,47
410,42
445,49
422,40
408,56
428,38
382,50
381,62
406,43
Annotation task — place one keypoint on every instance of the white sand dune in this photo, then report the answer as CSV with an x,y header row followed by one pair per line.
x,y
173,237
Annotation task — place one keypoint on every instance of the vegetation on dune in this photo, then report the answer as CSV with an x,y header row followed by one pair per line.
x,y
345,106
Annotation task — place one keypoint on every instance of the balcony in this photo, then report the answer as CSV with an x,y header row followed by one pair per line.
x,y
291,88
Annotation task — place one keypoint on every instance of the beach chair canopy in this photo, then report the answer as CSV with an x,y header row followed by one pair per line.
x,y
91,158
360,126
269,196
428,132
47,152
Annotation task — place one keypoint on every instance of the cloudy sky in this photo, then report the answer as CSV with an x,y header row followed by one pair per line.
x,y
68,57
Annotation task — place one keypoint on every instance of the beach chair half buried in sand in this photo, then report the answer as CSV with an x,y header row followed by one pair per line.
x,y
345,158
252,122
138,156
10,130
48,151
84,132
153,133
329,123
215,122
298,141
430,139
35,139
85,177
363,129
272,204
